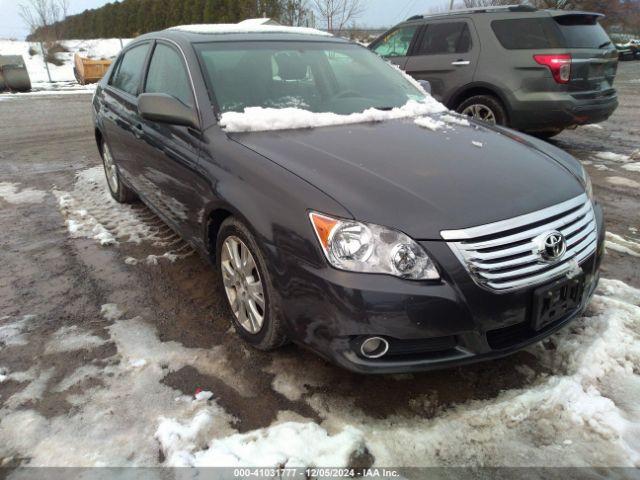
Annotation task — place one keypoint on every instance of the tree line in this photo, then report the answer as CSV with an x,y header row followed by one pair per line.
x,y
130,18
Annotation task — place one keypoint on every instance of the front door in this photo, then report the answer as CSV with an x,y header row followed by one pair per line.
x,y
446,54
168,177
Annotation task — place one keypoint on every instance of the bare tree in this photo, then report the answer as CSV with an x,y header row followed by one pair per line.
x,y
42,15
337,14
296,13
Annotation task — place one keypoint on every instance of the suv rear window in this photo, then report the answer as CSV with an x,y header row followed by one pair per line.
x,y
527,33
582,31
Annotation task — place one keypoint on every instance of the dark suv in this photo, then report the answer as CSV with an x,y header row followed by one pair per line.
x,y
538,71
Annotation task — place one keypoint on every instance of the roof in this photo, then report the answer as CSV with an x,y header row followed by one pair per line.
x,y
503,9
253,25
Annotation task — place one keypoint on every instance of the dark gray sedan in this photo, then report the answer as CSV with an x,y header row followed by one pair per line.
x,y
294,162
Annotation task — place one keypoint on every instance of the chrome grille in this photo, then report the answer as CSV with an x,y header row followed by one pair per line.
x,y
504,255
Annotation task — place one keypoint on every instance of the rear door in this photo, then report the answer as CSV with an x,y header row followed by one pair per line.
x,y
446,54
121,119
594,58
396,44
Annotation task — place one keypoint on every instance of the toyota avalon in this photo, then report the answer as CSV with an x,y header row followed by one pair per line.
x,y
344,208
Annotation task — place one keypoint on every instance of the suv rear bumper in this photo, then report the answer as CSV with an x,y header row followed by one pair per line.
x,y
565,110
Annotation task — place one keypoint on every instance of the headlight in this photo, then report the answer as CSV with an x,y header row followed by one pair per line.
x,y
588,186
364,247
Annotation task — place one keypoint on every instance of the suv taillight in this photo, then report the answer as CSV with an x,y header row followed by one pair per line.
x,y
559,64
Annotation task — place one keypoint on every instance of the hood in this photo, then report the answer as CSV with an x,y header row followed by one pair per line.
x,y
420,181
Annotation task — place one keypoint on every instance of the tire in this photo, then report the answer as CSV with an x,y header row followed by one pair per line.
x,y
271,333
120,192
548,133
484,102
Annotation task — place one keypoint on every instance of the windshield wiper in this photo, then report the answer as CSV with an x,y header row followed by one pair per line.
x,y
608,42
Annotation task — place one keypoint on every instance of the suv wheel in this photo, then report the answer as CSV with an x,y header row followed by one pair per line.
x,y
484,107
119,191
248,287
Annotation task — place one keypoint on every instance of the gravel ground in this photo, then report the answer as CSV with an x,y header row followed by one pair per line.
x,y
83,324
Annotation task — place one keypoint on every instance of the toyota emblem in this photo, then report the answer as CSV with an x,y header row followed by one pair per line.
x,y
552,246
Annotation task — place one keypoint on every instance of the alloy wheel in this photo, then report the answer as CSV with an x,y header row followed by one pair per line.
x,y
110,169
480,112
242,284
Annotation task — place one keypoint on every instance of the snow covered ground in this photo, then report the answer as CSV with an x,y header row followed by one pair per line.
x,y
578,408
582,410
62,75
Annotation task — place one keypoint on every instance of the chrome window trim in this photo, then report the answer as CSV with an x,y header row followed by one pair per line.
x,y
186,64
511,223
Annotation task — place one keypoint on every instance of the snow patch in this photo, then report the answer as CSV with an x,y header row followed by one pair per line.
x,y
477,144
12,193
288,445
621,244
623,182
13,333
98,49
455,119
70,339
429,123
632,167
258,119
203,395
613,157
91,212
110,311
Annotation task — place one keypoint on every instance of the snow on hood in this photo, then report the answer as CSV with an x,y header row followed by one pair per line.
x,y
259,119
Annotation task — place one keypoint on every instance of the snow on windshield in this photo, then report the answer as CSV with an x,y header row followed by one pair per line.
x,y
259,119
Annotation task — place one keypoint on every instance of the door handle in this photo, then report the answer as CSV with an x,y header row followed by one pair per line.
x,y
459,63
137,131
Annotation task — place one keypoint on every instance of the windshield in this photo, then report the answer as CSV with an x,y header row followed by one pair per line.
x,y
314,76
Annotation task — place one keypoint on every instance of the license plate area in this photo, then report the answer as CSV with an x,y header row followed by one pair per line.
x,y
553,302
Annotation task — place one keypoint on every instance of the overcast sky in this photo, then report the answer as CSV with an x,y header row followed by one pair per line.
x,y
377,13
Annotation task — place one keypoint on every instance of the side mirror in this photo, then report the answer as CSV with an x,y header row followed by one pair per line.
x,y
426,84
162,108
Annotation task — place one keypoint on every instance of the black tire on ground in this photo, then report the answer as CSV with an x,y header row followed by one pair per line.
x,y
121,193
272,333
546,134
487,101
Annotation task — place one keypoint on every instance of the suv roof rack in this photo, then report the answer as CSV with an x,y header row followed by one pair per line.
x,y
499,8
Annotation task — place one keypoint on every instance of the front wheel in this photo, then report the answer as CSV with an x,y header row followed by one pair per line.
x,y
484,107
119,191
248,287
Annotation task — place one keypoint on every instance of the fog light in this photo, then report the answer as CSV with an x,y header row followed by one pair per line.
x,y
374,347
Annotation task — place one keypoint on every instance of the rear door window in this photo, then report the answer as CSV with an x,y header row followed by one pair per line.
x,y
396,43
129,73
527,33
582,31
445,38
167,74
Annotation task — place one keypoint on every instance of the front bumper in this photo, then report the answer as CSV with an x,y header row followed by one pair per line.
x,y
428,325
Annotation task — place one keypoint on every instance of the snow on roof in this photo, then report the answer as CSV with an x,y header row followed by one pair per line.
x,y
251,25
